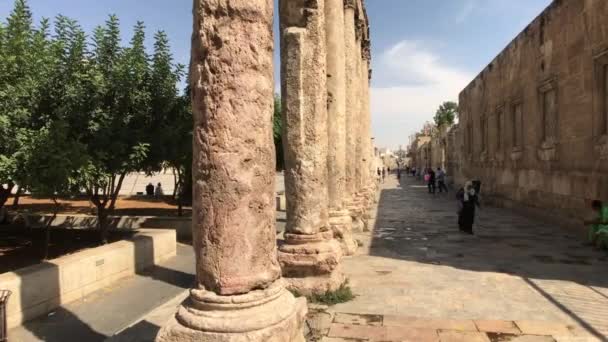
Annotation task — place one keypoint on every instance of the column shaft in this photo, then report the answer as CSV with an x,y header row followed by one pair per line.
x,y
239,295
350,42
340,219
310,256
352,105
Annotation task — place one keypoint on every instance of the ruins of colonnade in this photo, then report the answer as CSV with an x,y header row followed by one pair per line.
x,y
533,125
242,277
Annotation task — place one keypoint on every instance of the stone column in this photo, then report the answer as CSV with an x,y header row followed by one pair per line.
x,y
361,199
366,188
370,176
339,217
352,201
310,255
240,295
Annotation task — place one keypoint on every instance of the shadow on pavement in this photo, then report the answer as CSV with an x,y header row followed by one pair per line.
x,y
414,225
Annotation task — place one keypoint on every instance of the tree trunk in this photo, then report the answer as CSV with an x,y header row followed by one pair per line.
x,y
180,205
4,195
47,239
103,213
179,190
102,218
17,196
175,183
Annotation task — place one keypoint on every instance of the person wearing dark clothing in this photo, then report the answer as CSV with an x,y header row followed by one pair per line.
x,y
150,190
441,180
467,201
432,179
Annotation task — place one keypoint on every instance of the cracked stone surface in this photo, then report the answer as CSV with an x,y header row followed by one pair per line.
x,y
515,274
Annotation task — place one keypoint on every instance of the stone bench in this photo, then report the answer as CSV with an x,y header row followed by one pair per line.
x,y
40,289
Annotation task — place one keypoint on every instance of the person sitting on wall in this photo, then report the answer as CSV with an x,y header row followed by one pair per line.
x,y
598,228
150,190
158,192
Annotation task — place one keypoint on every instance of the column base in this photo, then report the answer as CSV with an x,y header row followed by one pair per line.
x,y
319,284
310,263
356,214
341,224
362,204
269,315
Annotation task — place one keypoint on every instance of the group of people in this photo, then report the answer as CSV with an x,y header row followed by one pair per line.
x,y
157,192
383,171
436,179
467,196
468,200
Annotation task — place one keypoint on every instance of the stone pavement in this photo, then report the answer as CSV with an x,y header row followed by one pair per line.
x,y
418,279
111,309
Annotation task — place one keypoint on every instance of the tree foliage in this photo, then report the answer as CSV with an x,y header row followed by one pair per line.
x,y
80,113
446,114
277,132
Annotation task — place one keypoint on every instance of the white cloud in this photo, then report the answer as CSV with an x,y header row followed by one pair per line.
x,y
419,82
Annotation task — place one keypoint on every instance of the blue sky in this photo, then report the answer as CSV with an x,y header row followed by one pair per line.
x,y
424,51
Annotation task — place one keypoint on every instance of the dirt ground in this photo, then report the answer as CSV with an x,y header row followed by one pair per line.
x,y
20,247
131,206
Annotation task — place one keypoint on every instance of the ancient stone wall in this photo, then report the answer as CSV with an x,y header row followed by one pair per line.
x,y
420,152
534,123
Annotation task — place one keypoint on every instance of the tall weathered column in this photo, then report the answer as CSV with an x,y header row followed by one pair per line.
x,y
240,295
365,191
368,148
310,255
352,201
339,216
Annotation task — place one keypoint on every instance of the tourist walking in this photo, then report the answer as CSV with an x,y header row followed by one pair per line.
x,y
383,174
441,180
431,179
467,201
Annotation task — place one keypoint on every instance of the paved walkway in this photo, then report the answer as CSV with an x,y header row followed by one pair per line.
x,y
417,278
111,309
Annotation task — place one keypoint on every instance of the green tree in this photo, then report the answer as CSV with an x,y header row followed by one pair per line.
x,y
113,138
446,114
52,160
178,149
167,109
117,104
22,49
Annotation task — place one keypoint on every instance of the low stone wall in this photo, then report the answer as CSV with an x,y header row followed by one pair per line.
x,y
181,225
40,289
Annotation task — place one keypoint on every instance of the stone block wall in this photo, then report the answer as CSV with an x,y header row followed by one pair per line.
x,y
534,122
42,288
